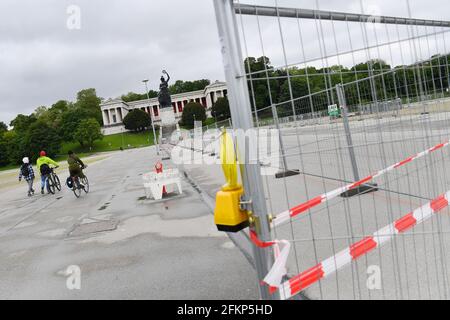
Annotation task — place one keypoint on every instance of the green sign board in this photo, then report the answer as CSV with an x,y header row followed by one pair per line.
x,y
333,110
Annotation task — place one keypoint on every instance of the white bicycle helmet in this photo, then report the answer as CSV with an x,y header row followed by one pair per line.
x,y
26,160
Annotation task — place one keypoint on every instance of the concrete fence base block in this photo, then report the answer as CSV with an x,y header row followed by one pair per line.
x,y
287,173
361,190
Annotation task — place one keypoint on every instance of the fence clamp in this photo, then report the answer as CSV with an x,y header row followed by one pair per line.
x,y
255,221
245,204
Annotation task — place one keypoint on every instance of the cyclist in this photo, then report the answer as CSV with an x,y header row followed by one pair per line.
x,y
76,167
43,165
26,172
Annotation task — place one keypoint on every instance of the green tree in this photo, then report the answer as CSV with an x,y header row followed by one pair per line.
x,y
88,131
70,121
4,160
15,146
43,113
40,111
132,96
299,89
221,109
41,136
264,93
192,111
55,113
87,100
22,122
137,120
3,128
60,106
187,86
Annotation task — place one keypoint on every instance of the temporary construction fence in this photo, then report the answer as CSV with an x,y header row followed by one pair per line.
x,y
354,95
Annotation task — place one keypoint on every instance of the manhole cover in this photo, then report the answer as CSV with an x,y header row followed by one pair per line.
x,y
94,227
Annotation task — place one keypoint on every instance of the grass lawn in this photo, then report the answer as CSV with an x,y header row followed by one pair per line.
x,y
127,140
9,167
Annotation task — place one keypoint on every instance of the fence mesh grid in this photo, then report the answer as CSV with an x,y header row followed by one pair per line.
x,y
395,101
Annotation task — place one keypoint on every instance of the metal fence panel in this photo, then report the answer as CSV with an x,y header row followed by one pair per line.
x,y
389,79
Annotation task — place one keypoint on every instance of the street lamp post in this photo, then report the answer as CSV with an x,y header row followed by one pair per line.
x,y
151,117
123,146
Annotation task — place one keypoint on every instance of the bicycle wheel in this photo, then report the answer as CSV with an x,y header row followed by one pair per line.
x,y
76,188
57,181
76,192
85,183
50,185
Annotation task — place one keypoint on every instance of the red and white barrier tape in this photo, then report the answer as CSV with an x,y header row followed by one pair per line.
x,y
278,269
285,216
329,266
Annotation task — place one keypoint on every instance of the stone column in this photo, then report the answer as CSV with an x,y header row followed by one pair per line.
x,y
119,113
209,102
106,119
109,116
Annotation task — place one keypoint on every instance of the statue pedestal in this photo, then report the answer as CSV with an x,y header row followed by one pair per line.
x,y
167,117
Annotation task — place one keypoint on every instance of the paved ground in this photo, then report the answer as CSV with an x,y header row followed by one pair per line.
x,y
170,249
415,265
159,250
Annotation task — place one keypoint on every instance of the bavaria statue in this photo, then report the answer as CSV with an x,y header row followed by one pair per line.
x,y
164,96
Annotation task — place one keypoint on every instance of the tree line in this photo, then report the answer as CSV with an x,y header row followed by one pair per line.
x,y
48,127
269,85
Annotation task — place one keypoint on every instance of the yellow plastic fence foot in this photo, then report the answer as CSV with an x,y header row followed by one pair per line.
x,y
227,215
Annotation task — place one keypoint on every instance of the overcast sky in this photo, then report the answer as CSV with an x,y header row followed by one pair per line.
x,y
121,42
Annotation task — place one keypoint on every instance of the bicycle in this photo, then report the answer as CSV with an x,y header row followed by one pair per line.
x,y
80,184
52,181
55,179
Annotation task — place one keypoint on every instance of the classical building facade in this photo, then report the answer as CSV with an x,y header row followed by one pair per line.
x,y
114,110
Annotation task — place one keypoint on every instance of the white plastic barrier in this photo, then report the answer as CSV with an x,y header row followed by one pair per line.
x,y
154,183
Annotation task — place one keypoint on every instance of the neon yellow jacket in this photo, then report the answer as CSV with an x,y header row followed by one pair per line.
x,y
45,160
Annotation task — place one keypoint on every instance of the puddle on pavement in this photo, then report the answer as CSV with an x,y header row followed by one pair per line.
x,y
103,207
169,196
94,227
197,227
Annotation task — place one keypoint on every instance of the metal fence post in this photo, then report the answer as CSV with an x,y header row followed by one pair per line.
x,y
286,171
241,114
348,135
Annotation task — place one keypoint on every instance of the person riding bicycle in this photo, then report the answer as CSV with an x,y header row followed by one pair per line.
x,y
76,167
43,165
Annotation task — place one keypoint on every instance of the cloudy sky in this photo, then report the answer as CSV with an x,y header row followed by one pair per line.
x,y
121,42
